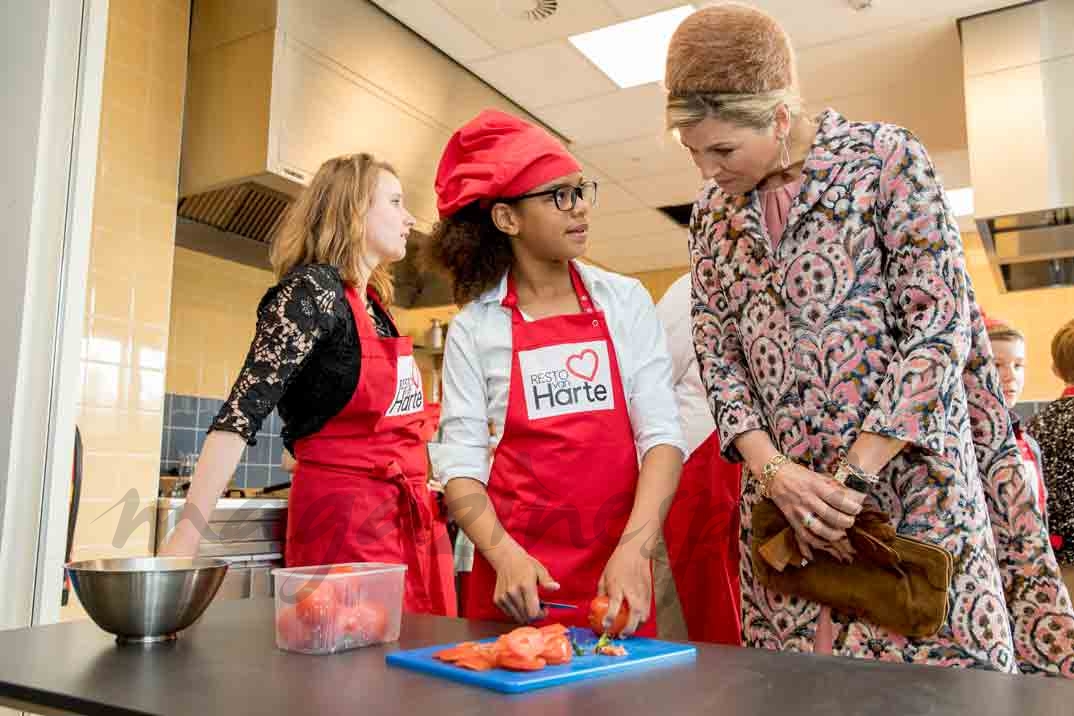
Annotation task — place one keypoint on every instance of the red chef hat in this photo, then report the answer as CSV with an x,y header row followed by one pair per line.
x,y
496,155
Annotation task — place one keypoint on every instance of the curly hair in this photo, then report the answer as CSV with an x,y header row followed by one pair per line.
x,y
471,250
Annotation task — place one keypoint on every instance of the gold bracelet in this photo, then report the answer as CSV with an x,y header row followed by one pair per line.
x,y
768,473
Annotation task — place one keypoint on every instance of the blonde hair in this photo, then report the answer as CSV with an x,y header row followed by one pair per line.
x,y
1063,353
757,111
326,224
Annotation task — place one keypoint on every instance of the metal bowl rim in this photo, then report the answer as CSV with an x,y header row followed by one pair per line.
x,y
193,564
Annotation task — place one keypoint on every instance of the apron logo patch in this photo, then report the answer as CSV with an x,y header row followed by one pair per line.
x,y
566,379
408,393
584,365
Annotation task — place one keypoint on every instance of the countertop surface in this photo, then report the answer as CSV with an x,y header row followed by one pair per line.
x,y
227,663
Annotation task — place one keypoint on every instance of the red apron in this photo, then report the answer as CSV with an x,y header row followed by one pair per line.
x,y
566,468
701,532
360,490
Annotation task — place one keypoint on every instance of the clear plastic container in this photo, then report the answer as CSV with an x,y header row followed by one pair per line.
x,y
331,608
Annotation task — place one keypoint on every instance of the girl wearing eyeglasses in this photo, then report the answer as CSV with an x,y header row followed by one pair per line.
x,y
570,364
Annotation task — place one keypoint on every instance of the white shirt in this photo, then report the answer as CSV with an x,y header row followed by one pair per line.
x,y
694,413
477,373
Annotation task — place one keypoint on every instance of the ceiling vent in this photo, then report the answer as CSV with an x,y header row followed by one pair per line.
x,y
529,10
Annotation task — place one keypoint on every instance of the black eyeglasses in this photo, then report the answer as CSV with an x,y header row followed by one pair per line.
x,y
565,196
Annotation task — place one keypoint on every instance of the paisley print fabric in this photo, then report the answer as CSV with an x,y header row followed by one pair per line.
x,y
862,318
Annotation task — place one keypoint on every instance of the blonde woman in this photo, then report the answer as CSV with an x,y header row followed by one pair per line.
x,y
327,352
841,345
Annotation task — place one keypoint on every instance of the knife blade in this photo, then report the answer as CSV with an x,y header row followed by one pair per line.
x,y
557,605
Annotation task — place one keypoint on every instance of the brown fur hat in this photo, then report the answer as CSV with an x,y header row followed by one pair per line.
x,y
729,48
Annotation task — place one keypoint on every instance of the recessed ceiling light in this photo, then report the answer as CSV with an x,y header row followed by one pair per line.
x,y
961,201
632,53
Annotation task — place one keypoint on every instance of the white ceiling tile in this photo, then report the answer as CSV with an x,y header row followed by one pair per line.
x,y
642,222
824,21
612,198
505,31
630,9
668,249
621,115
933,108
439,27
533,77
654,154
666,189
898,56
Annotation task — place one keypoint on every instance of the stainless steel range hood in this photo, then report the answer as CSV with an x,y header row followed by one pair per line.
x,y
1019,82
275,87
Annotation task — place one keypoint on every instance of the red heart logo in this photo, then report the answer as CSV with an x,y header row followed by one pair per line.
x,y
584,364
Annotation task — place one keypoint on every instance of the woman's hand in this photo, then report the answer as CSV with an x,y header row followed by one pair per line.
x,y
183,542
627,576
518,577
819,509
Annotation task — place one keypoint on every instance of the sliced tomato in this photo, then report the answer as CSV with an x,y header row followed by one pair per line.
x,y
458,652
512,662
340,569
598,609
373,619
553,630
557,650
490,651
524,642
476,663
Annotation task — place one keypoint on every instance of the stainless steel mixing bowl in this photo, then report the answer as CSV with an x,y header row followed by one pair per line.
x,y
146,599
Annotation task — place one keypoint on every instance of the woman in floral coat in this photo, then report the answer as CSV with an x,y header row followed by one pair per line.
x,y
834,321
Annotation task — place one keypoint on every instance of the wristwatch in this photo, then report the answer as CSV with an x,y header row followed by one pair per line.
x,y
768,473
853,476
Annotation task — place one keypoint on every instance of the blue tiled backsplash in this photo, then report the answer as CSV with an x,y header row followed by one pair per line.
x,y
186,420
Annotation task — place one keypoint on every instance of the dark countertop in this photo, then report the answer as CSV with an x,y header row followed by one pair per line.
x,y
227,663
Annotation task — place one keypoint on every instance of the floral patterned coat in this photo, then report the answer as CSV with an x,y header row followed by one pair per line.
x,y
863,319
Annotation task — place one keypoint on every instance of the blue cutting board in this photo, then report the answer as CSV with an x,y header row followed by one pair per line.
x,y
642,653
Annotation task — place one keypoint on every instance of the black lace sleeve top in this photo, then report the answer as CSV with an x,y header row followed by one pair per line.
x,y
305,357
1053,427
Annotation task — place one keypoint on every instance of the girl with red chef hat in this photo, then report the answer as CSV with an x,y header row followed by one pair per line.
x,y
570,364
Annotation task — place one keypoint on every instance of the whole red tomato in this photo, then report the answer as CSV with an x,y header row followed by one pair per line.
x,y
316,604
290,632
366,622
598,609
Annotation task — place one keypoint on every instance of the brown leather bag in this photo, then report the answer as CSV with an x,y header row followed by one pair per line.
x,y
895,582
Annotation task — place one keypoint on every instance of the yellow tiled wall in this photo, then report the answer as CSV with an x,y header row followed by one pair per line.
x,y
213,316
129,285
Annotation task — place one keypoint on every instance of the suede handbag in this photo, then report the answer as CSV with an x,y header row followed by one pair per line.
x,y
895,582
